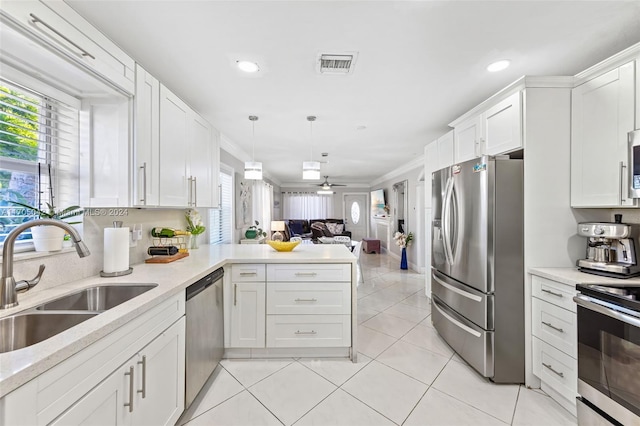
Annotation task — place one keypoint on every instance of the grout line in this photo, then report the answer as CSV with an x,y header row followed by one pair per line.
x,y
515,406
416,406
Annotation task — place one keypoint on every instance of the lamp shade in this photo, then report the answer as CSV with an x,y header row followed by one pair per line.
x,y
310,170
277,225
253,170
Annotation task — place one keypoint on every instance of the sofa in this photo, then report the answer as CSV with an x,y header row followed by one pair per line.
x,y
327,228
303,228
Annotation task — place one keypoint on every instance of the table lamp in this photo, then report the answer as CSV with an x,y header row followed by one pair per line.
x,y
277,225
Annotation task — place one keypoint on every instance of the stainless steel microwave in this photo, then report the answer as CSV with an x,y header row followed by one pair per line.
x,y
634,161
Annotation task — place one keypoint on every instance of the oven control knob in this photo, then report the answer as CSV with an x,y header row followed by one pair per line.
x,y
598,230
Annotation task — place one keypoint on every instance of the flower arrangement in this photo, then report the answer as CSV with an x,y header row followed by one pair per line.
x,y
194,222
403,240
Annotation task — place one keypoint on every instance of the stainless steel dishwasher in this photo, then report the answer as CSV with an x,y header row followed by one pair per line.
x,y
204,340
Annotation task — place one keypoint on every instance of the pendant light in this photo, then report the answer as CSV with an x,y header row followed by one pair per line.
x,y
311,169
253,169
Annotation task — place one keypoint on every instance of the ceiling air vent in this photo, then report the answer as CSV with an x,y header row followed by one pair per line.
x,y
341,63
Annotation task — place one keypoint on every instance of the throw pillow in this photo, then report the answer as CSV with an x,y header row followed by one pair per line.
x,y
335,228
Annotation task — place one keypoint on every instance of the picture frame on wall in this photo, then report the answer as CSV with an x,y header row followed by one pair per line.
x,y
243,188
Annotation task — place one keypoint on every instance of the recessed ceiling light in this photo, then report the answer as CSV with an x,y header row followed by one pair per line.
x,y
248,66
498,65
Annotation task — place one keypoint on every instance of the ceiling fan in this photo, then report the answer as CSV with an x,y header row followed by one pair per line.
x,y
326,185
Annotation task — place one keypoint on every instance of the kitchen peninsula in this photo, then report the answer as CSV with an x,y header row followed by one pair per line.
x,y
59,373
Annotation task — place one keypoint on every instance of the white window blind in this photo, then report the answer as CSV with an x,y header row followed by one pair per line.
x,y
306,205
38,154
221,227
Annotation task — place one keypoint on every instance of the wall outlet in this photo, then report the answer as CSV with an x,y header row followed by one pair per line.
x,y
135,235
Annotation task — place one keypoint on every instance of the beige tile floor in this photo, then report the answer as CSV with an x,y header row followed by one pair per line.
x,y
405,375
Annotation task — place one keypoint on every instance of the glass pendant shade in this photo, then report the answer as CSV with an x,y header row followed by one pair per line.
x,y
310,170
253,170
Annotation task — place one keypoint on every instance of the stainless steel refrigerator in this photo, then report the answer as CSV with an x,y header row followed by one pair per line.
x,y
477,276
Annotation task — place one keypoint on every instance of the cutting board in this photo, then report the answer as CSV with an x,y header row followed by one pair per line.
x,y
166,259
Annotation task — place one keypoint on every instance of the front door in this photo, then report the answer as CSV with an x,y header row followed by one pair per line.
x,y
355,215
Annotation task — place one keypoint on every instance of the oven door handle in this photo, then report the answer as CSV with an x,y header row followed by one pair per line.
x,y
588,303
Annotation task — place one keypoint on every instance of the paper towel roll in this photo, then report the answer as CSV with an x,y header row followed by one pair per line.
x,y
116,249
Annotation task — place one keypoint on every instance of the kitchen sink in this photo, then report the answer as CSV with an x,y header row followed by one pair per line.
x,y
22,330
98,298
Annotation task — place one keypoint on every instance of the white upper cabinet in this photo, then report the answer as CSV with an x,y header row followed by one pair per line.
x,y
602,113
56,25
445,151
189,155
174,151
468,139
147,140
501,126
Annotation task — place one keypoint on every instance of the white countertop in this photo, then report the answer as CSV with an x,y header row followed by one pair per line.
x,y
20,366
572,276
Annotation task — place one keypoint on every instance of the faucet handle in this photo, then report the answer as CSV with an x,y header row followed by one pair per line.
x,y
25,285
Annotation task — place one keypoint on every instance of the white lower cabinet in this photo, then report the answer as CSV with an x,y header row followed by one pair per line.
x,y
292,306
555,339
247,315
148,389
132,376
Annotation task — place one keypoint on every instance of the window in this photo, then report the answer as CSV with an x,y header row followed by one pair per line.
x,y
38,154
220,231
355,213
306,205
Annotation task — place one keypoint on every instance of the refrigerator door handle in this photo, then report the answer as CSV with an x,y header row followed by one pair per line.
x,y
457,290
457,323
446,222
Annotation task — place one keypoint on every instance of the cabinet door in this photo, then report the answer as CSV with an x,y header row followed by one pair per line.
x,y
445,150
160,375
468,139
105,404
602,113
147,139
200,162
174,142
502,126
248,315
430,166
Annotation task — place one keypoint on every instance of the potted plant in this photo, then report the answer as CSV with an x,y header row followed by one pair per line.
x,y
50,238
194,226
254,232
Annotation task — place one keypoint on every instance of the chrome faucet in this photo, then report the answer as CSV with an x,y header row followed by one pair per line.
x,y
9,288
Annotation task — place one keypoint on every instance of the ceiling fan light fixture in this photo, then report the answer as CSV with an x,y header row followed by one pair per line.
x,y
310,170
253,169
324,192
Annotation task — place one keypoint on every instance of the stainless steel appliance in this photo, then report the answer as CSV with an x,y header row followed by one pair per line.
x,y
610,249
477,264
204,332
608,353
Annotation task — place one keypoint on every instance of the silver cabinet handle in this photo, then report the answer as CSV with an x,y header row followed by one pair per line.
x,y
548,324
248,274
190,201
622,174
306,332
552,370
552,292
130,403
195,191
36,20
144,183
306,274
306,300
235,294
143,391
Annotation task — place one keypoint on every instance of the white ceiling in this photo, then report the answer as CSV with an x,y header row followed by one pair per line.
x,y
421,64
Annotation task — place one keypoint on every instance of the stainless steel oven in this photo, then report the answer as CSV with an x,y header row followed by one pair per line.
x,y
608,354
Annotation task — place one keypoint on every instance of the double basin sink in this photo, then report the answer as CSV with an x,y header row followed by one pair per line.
x,y
48,319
